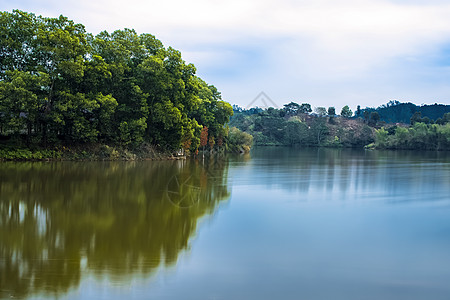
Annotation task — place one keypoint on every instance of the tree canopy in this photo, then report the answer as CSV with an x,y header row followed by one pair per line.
x,y
397,112
61,84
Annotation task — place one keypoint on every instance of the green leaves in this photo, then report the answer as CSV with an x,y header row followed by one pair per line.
x,y
239,141
419,136
22,97
59,82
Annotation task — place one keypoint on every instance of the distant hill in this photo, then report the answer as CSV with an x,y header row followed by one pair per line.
x,y
396,112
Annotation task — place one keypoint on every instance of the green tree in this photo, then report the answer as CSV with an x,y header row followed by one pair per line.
x,y
239,141
319,130
366,115
443,138
374,118
305,108
331,111
59,83
291,109
321,111
416,117
358,112
401,138
22,99
104,113
18,32
331,114
72,116
381,138
296,132
346,112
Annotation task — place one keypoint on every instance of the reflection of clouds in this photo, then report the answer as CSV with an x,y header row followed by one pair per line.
x,y
59,220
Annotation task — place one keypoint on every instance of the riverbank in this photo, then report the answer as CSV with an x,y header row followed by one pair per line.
x,y
85,153
103,152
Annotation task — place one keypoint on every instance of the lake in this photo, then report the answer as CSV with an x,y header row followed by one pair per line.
x,y
278,223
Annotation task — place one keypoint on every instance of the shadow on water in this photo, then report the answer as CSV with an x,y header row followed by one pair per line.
x,y
61,220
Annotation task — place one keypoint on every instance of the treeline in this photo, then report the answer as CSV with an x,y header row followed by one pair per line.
x,y
419,136
297,125
300,125
62,85
397,112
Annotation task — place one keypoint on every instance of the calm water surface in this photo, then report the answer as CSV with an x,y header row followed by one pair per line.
x,y
279,223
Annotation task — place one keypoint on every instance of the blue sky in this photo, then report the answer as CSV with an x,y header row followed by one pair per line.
x,y
324,52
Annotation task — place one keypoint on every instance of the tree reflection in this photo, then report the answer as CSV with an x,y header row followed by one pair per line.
x,y
59,220
344,174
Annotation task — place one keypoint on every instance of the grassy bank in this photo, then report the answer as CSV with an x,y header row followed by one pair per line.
x,y
83,152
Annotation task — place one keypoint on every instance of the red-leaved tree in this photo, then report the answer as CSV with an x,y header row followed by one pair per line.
x,y
204,137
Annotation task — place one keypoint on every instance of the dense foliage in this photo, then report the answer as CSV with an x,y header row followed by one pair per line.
x,y
396,112
419,136
294,125
297,125
239,141
62,85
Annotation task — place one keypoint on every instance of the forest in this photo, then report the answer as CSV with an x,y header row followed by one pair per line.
x,y
396,112
420,136
299,125
61,86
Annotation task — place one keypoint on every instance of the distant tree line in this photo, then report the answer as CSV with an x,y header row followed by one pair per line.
x,y
397,112
62,85
301,125
297,125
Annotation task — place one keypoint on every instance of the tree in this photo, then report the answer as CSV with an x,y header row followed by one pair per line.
x,y
374,118
366,115
186,142
401,138
346,112
291,109
305,108
105,112
22,99
239,141
18,31
321,111
319,130
446,118
416,117
211,143
61,84
331,111
426,120
296,132
358,112
204,137
381,138
331,114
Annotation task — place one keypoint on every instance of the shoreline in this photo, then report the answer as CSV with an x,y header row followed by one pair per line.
x,y
117,154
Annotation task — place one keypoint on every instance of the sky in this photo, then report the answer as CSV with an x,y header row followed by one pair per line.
x,y
322,52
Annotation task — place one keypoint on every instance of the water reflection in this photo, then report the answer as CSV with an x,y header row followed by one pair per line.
x,y
61,220
302,224
333,174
